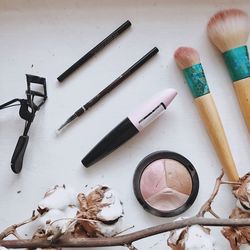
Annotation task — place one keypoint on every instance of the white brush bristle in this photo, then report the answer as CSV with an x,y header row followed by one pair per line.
x,y
186,57
229,29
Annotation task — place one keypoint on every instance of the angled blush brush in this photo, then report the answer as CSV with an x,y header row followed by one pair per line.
x,y
228,30
188,60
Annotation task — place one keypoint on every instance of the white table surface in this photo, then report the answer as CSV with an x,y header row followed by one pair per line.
x,y
45,37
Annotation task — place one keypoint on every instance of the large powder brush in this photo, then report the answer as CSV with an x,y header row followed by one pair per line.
x,y
188,60
229,30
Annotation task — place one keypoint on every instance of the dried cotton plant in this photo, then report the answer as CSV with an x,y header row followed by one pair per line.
x,y
66,218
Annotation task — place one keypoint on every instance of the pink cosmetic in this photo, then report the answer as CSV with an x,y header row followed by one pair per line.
x,y
165,183
166,179
152,109
130,126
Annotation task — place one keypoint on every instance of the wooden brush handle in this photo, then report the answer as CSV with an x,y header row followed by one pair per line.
x,y
242,89
211,119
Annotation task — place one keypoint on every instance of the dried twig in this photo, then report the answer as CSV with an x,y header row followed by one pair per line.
x,y
207,205
11,230
128,239
130,247
125,230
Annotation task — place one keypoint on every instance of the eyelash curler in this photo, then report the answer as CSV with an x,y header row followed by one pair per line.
x,y
28,108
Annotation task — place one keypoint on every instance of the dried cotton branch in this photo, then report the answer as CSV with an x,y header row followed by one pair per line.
x,y
94,207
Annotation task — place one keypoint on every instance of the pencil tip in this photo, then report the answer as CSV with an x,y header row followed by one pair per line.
x,y
61,127
57,131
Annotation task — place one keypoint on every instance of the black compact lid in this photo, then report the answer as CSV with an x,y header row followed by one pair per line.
x,y
165,155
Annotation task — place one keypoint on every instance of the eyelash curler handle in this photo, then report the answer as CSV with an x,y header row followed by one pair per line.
x,y
17,157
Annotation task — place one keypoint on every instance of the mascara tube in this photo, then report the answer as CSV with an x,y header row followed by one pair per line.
x,y
130,126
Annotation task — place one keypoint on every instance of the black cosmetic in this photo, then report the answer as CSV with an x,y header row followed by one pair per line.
x,y
110,87
36,96
130,126
120,134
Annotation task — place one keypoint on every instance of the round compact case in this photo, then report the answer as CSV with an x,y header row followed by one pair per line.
x,y
165,183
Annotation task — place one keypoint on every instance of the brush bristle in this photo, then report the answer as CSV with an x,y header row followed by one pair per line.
x,y
229,29
185,57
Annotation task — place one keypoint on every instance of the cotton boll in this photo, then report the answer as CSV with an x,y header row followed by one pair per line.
x,y
239,205
58,198
248,188
241,190
57,212
113,207
70,213
175,236
53,216
197,238
237,236
109,230
247,203
191,238
55,220
100,213
47,224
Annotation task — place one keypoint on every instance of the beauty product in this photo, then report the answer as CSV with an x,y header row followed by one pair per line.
x,y
36,97
165,183
229,30
188,60
130,126
110,87
95,50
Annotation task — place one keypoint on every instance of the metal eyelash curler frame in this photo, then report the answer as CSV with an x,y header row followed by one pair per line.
x,y
28,108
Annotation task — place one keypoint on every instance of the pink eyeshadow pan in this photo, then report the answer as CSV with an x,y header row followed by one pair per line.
x,y
166,183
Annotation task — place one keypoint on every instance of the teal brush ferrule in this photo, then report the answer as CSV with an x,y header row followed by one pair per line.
x,y
237,61
196,80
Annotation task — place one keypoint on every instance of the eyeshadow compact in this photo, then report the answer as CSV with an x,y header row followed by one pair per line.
x,y
165,183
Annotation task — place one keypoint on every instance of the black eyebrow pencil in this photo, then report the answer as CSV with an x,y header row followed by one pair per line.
x,y
95,50
110,87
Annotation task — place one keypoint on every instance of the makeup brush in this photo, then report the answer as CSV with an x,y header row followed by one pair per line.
x,y
229,30
188,60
